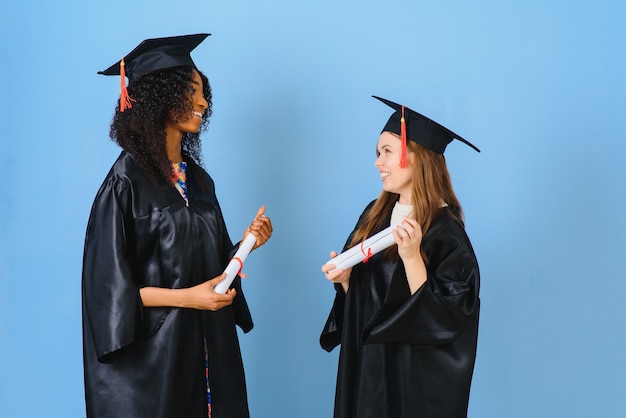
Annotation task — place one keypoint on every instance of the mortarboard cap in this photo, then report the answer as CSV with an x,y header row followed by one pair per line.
x,y
152,55
416,127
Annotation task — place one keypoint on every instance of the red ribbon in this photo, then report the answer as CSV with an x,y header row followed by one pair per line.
x,y
239,273
367,255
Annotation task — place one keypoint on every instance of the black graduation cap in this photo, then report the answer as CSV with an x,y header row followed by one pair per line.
x,y
420,129
152,55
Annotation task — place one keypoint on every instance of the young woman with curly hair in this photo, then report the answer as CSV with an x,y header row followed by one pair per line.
x,y
407,319
158,341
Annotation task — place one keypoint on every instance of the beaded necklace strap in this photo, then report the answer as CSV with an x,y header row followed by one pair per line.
x,y
179,177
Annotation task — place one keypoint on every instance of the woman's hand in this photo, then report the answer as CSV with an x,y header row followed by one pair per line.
x,y
204,297
337,275
261,228
408,236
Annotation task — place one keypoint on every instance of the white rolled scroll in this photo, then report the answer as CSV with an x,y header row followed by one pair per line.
x,y
374,244
236,263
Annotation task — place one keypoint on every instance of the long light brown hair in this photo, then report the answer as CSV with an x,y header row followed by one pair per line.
x,y
431,187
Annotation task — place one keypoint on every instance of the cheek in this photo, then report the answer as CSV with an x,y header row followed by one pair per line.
x,y
394,160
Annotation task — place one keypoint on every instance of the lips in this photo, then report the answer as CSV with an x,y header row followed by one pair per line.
x,y
198,114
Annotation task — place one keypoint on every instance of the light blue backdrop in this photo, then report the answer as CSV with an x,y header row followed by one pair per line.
x,y
537,85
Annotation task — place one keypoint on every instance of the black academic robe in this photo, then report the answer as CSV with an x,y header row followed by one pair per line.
x,y
149,362
403,355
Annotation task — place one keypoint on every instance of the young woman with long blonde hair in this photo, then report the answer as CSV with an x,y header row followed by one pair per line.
x,y
407,319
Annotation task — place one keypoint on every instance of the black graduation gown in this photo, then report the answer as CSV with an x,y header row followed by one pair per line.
x,y
406,355
149,362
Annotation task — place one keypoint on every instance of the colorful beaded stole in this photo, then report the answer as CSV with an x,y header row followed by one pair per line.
x,y
206,371
179,176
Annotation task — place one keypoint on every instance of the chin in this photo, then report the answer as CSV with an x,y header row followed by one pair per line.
x,y
193,130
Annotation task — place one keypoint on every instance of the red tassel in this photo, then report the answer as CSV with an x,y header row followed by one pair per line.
x,y
403,163
126,102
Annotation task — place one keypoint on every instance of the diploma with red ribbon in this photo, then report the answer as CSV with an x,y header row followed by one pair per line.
x,y
235,265
363,251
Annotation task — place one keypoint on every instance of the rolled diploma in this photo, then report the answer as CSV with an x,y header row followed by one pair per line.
x,y
353,256
236,263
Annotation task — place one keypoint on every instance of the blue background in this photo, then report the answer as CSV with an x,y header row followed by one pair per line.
x,y
537,85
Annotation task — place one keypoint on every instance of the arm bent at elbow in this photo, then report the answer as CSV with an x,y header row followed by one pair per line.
x,y
201,296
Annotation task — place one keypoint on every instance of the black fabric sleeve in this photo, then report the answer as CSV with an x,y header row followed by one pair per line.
x,y
111,299
441,309
331,334
243,317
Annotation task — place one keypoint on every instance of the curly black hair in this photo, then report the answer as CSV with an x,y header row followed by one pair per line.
x,y
158,97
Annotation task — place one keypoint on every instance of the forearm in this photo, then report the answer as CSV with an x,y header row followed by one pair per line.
x,y
415,273
201,296
160,297
345,286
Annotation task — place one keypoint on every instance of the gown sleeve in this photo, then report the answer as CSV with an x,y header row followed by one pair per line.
x,y
443,307
111,300
331,334
241,310
243,317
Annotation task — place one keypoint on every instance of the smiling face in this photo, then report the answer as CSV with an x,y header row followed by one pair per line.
x,y
199,106
395,179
